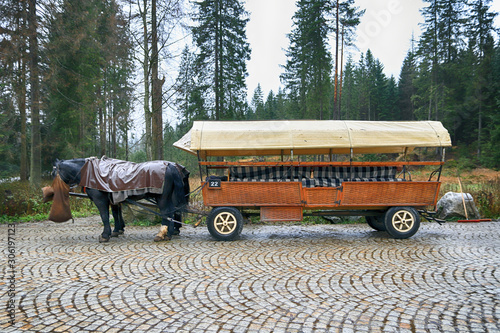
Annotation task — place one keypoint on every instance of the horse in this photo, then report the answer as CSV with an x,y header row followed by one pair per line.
x,y
171,202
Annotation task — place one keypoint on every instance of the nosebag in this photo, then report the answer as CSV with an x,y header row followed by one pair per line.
x,y
59,194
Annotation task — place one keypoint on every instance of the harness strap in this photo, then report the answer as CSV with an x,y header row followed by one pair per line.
x,y
129,201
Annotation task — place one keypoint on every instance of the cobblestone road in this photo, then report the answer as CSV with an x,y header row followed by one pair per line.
x,y
287,278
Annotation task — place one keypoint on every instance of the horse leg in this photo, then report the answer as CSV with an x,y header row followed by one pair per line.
x,y
106,232
102,203
119,222
177,226
167,224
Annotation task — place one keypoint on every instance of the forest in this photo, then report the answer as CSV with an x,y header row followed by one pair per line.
x,y
79,78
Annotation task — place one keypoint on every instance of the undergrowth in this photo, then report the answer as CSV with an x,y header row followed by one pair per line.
x,y
486,194
19,202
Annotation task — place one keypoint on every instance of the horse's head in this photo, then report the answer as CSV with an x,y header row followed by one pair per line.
x,y
54,168
68,170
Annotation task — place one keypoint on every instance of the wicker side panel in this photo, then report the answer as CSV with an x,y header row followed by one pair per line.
x,y
270,214
390,193
253,194
321,197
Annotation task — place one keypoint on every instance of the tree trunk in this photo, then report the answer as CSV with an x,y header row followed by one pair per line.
x,y
341,72
479,124
335,101
102,123
22,111
145,67
217,78
157,119
21,89
36,157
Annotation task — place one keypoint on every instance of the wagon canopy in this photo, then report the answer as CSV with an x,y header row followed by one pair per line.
x,y
310,137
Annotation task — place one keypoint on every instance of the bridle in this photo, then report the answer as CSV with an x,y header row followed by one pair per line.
x,y
72,181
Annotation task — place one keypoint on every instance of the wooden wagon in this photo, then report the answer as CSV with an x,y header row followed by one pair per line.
x,y
286,169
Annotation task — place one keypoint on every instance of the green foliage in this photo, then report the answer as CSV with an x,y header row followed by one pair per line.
x,y
222,52
486,194
21,202
88,59
308,69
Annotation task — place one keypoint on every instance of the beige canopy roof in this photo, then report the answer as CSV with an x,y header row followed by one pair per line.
x,y
304,137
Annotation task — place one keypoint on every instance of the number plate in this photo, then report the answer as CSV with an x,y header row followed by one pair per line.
x,y
214,183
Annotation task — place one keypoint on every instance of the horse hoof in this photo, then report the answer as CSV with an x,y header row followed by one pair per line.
x,y
103,240
176,232
159,239
117,233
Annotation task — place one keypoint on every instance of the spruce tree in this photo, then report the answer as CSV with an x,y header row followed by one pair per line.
x,y
88,59
223,50
257,104
346,18
479,31
308,69
190,99
406,87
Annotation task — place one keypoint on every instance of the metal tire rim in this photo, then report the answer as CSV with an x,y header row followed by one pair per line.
x,y
225,223
403,221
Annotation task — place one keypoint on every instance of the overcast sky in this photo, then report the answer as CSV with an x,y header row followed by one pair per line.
x,y
386,29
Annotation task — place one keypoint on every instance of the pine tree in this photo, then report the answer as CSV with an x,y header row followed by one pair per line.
x,y
223,50
308,68
257,104
491,154
88,56
441,39
390,109
479,31
346,19
406,87
36,139
272,106
189,101
349,104
14,85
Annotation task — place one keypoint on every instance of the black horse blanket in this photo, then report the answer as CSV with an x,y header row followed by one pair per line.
x,y
122,178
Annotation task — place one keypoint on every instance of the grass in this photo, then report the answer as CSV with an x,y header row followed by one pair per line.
x,y
482,184
19,202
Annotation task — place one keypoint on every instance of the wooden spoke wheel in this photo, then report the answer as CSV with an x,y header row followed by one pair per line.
x,y
402,222
225,223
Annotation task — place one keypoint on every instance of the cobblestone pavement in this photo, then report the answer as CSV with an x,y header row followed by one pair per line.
x,y
286,278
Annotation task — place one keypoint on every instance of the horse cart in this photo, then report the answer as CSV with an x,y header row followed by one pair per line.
x,y
283,170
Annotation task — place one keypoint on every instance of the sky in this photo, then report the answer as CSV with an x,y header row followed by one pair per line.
x,y
386,29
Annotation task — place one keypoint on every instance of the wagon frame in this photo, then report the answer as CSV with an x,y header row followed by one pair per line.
x,y
305,173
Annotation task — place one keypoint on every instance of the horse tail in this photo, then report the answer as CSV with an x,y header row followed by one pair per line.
x,y
181,185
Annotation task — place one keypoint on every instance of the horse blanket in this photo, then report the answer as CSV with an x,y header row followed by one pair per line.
x,y
122,178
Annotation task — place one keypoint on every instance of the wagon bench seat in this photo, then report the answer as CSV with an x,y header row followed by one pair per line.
x,y
329,176
333,176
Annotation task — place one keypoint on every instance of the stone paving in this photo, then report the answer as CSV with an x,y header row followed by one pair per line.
x,y
276,278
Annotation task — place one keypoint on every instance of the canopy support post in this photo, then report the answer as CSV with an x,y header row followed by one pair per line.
x,y
199,164
350,164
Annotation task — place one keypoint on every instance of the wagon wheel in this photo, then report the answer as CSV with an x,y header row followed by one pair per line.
x,y
376,222
402,222
225,223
